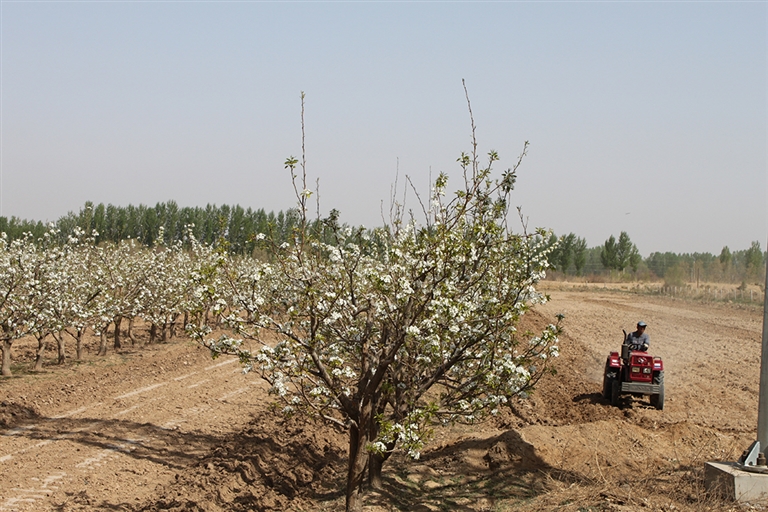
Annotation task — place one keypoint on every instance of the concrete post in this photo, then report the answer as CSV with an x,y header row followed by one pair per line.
x,y
738,480
762,409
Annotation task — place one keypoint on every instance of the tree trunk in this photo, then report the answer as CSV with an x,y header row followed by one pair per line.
x,y
131,334
79,343
164,332
152,333
118,321
375,464
103,342
6,370
204,320
174,317
61,348
358,460
359,437
376,460
186,320
40,351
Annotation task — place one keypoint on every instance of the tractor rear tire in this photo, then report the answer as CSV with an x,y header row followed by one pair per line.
x,y
615,392
658,400
608,378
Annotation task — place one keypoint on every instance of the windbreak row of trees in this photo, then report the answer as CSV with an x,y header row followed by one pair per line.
x,y
571,257
237,225
743,266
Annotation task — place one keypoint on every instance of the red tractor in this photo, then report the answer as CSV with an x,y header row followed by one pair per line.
x,y
634,372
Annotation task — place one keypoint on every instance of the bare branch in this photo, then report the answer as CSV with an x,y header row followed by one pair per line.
x,y
418,197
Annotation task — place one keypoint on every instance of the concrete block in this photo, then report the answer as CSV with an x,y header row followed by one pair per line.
x,y
728,481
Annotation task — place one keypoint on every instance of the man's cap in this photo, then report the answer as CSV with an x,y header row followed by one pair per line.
x,y
641,324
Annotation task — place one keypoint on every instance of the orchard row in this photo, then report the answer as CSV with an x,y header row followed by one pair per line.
x,y
49,289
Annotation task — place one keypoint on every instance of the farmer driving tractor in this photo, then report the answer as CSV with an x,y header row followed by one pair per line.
x,y
638,340
635,372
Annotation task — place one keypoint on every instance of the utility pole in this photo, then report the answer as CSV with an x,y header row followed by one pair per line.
x,y
762,410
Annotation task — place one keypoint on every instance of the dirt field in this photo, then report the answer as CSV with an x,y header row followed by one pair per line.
x,y
165,427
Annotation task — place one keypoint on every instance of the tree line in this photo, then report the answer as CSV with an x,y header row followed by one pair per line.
x,y
144,224
571,257
239,227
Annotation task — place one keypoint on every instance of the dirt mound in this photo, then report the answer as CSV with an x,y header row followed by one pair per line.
x,y
570,396
274,464
13,414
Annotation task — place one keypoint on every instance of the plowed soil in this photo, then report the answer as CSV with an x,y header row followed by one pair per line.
x,y
165,427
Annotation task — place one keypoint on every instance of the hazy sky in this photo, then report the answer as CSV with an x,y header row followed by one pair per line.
x,y
645,117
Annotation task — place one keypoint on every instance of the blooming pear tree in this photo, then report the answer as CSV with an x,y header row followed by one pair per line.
x,y
391,333
66,287
85,295
21,275
166,288
47,305
122,271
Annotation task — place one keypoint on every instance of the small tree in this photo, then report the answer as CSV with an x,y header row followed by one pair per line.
x,y
608,254
47,315
620,255
83,299
754,261
579,255
566,256
725,257
387,334
627,254
21,266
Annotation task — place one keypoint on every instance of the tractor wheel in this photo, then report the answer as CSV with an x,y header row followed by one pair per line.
x,y
658,400
608,378
615,392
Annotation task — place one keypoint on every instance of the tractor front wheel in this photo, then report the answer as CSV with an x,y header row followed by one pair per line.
x,y
615,392
658,400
